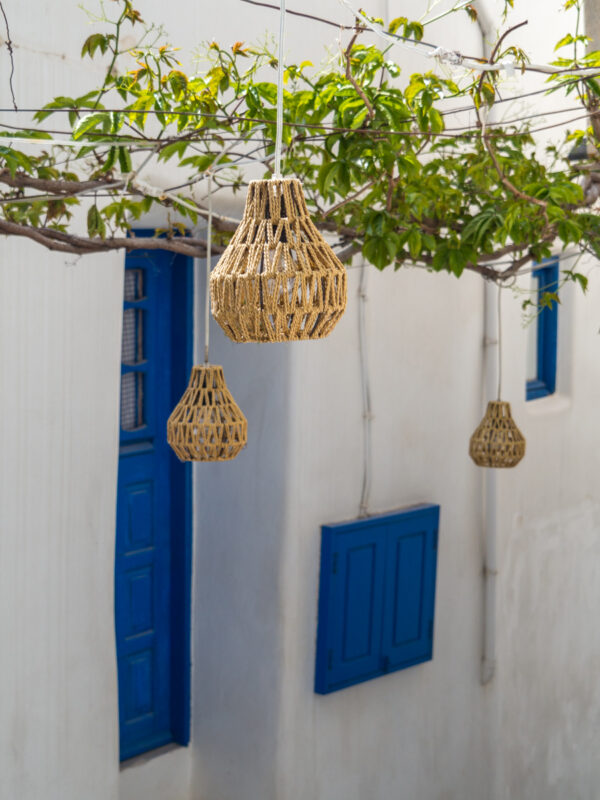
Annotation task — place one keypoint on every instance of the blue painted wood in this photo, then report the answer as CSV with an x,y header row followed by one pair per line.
x,y
547,333
376,597
410,589
153,543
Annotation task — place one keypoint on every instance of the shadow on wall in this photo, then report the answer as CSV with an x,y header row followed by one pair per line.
x,y
239,526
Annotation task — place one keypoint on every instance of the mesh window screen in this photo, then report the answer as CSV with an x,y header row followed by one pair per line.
x,y
132,344
132,352
132,401
134,285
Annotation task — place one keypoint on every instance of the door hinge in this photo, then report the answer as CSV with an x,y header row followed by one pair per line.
x,y
431,629
334,563
435,539
330,659
385,664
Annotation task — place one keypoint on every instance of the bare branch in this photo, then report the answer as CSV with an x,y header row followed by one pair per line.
x,y
9,47
81,245
358,88
349,199
20,180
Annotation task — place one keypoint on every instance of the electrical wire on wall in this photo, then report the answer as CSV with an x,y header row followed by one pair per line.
x,y
367,413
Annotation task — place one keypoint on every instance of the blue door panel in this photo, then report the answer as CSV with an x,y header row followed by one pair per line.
x,y
151,558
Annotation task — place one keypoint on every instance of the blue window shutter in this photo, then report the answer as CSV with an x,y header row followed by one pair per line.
x,y
410,588
350,618
547,277
377,594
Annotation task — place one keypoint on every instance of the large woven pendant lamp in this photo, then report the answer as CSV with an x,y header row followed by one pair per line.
x,y
497,442
278,280
207,424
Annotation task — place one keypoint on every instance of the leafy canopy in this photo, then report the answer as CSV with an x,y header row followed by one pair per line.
x,y
383,172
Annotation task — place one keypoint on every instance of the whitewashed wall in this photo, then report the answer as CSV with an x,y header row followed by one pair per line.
x,y
59,373
60,328
258,731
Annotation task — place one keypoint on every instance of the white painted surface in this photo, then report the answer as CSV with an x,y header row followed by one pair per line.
x,y
258,730
59,368
163,773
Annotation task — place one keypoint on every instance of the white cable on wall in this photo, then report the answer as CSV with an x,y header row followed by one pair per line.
x,y
367,415
208,268
279,125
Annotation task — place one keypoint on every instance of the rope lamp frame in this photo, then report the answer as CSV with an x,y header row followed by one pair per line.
x,y
497,442
278,280
207,424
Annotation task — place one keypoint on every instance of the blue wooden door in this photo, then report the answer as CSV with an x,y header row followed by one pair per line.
x,y
152,541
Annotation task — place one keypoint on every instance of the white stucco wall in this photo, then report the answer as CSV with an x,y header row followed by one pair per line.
x,y
59,368
60,328
258,731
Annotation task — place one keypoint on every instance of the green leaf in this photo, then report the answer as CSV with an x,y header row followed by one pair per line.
x,y
90,122
124,160
436,121
379,251
414,243
178,82
397,23
577,277
97,41
327,176
568,39
95,223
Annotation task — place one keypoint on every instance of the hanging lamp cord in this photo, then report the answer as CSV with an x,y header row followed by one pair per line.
x,y
279,127
208,264
499,341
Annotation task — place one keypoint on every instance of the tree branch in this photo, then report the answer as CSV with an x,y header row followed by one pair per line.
x,y
20,180
81,245
9,47
358,88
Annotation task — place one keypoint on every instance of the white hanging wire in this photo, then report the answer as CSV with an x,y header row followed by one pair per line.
x,y
363,510
499,342
208,267
279,126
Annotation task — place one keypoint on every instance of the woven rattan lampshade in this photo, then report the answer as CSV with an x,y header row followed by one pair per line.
x,y
278,280
207,424
497,442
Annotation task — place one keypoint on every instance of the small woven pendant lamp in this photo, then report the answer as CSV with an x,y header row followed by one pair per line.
x,y
497,441
207,424
278,280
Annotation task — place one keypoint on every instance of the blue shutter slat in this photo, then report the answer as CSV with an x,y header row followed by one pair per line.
x,y
410,589
376,600
352,568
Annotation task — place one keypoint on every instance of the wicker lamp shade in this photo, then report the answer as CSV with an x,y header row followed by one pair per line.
x,y
497,442
207,424
278,280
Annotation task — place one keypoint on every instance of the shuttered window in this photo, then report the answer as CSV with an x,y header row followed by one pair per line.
x,y
376,596
542,340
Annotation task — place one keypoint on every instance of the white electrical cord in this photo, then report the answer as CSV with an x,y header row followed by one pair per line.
x,y
279,126
208,267
499,341
363,510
